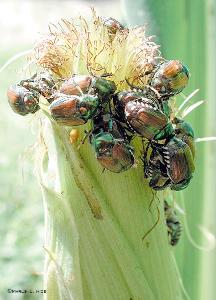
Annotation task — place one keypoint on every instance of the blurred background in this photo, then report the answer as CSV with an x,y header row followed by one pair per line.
x,y
186,31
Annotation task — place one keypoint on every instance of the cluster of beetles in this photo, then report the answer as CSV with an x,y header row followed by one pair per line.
x,y
118,116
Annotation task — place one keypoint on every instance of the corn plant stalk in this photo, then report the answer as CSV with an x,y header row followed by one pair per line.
x,y
96,221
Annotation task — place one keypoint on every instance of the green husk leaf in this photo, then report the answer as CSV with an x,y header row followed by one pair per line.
x,y
96,222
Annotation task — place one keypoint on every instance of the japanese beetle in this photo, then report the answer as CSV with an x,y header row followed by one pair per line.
x,y
112,149
82,84
74,110
112,25
43,83
179,162
174,227
170,78
170,164
142,115
22,101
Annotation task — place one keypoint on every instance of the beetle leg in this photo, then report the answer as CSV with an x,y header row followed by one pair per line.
x,y
166,156
154,225
147,167
154,193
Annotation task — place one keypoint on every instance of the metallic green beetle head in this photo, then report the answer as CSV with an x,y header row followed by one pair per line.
x,y
165,133
102,143
184,131
113,154
88,106
103,86
110,143
182,127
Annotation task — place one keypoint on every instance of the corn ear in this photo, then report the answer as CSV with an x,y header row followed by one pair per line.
x,y
95,220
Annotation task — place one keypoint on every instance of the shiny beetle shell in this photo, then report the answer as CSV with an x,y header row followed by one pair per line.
x,y
111,153
179,161
76,85
148,121
170,78
81,84
174,227
22,101
170,165
74,110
